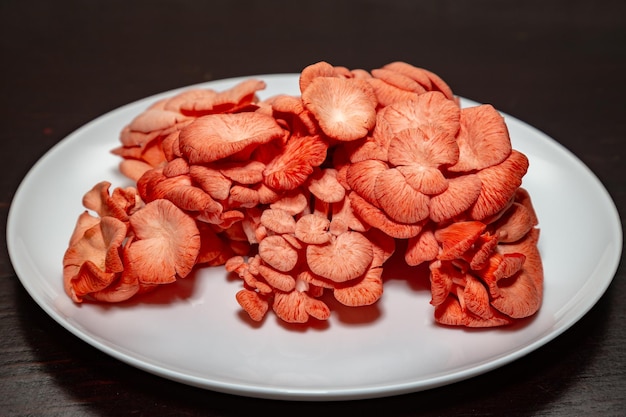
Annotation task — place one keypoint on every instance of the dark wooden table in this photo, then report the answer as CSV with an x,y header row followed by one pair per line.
x,y
557,65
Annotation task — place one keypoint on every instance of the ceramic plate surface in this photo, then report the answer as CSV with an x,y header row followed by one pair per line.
x,y
196,333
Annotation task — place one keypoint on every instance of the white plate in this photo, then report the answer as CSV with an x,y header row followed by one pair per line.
x,y
197,334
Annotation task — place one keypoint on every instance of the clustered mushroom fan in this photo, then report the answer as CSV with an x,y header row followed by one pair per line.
x,y
306,197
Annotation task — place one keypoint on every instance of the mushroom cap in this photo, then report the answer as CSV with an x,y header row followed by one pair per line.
x,y
192,198
481,251
85,221
299,307
92,261
134,140
398,80
429,147
310,72
211,180
451,313
499,184
475,298
241,196
387,94
119,203
290,111
375,217
443,276
483,139
514,224
324,185
134,168
428,109
313,229
246,172
120,290
253,303
293,165
421,248
166,246
521,295
398,199
153,120
278,280
365,291
362,178
420,153
344,108
345,257
438,84
517,220
359,73
343,217
197,102
175,167
461,194
375,145
417,74
238,97
294,202
278,253
191,100
457,238
278,221
428,79
217,136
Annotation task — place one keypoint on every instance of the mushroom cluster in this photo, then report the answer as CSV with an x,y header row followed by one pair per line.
x,y
302,196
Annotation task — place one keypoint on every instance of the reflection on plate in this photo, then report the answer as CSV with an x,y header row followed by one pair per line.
x,y
197,335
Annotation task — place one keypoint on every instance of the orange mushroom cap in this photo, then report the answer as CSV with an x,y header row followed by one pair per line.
x,y
119,203
299,307
292,167
365,292
153,120
310,72
451,313
461,194
417,74
211,180
344,108
499,184
278,253
387,94
377,218
253,303
278,221
483,139
324,185
362,178
398,80
217,136
345,257
166,246
521,295
398,199
428,109
421,248
457,238
313,229
92,261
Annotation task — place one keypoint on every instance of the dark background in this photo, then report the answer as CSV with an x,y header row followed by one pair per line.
x,y
557,65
